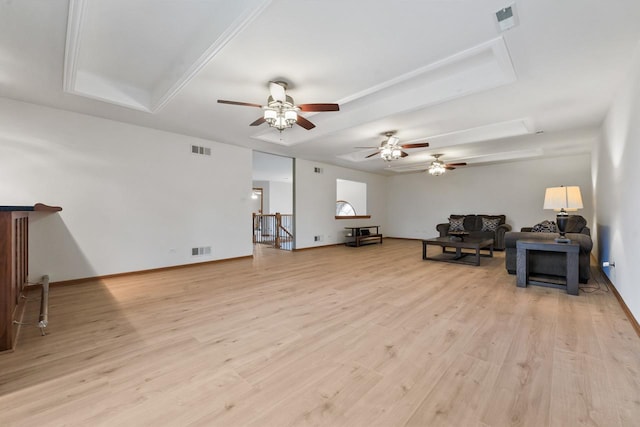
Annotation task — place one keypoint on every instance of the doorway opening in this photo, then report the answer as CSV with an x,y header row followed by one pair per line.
x,y
272,196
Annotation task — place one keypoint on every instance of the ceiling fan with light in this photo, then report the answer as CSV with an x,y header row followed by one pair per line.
x,y
281,112
438,167
391,149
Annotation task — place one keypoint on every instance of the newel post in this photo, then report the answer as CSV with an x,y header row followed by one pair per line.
x,y
278,225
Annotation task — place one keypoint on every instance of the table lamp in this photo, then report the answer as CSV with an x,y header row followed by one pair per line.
x,y
562,200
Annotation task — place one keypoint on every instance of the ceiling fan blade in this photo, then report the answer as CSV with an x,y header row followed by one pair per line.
x,y
403,154
245,104
277,91
305,123
449,168
319,107
456,164
417,145
258,122
371,155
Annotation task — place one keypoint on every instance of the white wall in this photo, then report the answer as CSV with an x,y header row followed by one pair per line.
x,y
616,179
133,198
276,196
281,197
418,202
315,203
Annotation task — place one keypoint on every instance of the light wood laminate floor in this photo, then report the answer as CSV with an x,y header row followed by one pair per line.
x,y
338,336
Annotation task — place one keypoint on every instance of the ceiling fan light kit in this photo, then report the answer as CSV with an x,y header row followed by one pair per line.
x,y
281,112
387,154
438,167
391,149
280,117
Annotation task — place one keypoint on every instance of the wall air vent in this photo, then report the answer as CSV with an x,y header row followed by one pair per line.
x,y
204,250
506,18
196,149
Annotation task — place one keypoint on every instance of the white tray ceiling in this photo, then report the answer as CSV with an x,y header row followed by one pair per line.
x,y
437,71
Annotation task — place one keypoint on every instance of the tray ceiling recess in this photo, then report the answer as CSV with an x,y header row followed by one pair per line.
x,y
479,68
150,55
493,131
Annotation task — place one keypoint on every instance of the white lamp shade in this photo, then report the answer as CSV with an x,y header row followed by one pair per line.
x,y
559,198
291,115
270,114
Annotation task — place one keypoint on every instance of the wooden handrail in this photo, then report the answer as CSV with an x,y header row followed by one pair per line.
x,y
286,231
272,229
41,207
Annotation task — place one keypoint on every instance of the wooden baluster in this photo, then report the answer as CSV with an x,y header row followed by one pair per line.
x,y
278,225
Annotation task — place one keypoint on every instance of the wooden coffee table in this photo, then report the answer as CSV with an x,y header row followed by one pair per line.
x,y
458,256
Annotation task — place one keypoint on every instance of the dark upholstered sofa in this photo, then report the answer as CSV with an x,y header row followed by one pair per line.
x,y
473,224
552,263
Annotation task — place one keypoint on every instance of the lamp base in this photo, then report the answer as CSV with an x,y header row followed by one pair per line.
x,y
561,220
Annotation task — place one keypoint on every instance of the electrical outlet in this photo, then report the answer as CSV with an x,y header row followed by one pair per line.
x,y
317,238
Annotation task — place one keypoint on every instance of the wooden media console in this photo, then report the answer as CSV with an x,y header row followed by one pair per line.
x,y
362,235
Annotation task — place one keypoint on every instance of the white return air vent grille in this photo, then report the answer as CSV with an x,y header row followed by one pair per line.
x,y
204,250
196,149
506,18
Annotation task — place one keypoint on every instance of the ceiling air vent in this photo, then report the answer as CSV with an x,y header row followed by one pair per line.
x,y
196,149
506,18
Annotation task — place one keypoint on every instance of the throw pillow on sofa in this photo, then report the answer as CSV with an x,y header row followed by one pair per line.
x,y
490,224
456,224
575,224
545,227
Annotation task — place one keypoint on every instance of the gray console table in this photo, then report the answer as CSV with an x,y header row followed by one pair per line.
x,y
522,263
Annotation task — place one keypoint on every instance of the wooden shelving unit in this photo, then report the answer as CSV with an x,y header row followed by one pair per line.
x,y
360,236
14,266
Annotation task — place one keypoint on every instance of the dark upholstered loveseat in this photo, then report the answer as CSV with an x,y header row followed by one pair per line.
x,y
473,225
552,263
